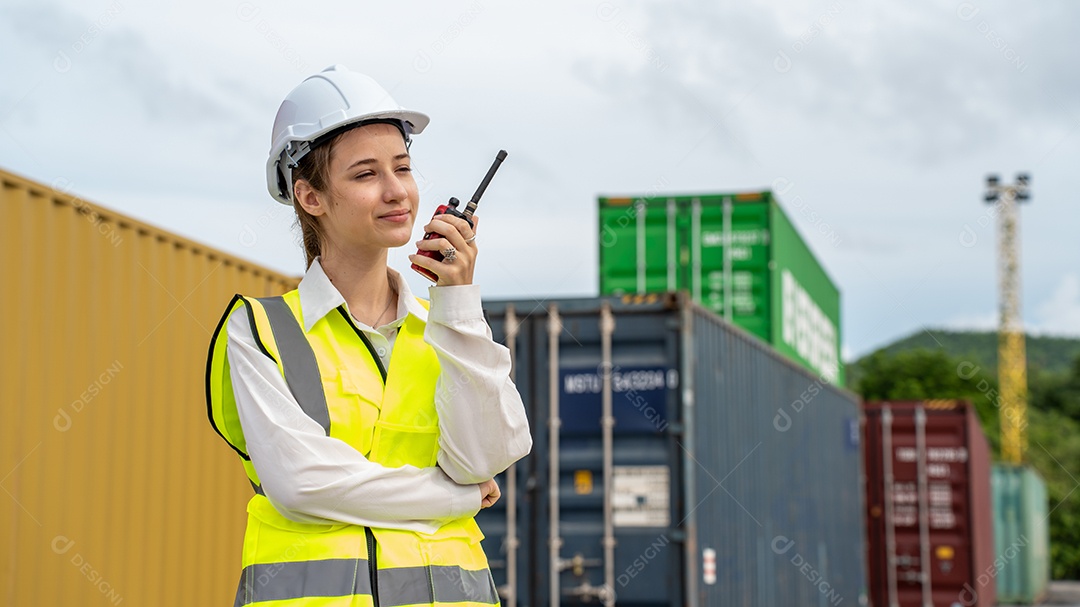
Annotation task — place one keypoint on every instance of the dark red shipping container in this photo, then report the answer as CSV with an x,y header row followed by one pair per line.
x,y
930,536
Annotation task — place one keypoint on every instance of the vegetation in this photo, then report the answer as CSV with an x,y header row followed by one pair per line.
x,y
1045,354
963,366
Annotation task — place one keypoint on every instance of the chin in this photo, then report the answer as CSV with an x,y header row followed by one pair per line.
x,y
398,240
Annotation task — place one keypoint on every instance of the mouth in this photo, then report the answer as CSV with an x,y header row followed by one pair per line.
x,y
397,216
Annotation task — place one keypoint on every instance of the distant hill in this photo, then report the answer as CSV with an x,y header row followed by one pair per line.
x,y
1044,354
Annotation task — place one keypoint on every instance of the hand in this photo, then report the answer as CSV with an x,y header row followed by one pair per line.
x,y
454,231
489,492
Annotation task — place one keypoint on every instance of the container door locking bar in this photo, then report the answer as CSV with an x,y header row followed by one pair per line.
x,y
509,591
554,327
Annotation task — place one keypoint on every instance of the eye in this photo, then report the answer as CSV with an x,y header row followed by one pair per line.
x,y
364,175
406,169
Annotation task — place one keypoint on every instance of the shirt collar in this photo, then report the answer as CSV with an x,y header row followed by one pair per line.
x,y
319,296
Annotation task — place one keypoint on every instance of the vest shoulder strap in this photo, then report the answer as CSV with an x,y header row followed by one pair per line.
x,y
294,357
297,360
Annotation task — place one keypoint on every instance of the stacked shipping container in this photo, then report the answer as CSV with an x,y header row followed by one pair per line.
x,y
677,460
116,491
738,255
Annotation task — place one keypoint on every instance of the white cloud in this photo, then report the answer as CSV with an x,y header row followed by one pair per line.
x,y
886,124
973,321
1057,314
1060,314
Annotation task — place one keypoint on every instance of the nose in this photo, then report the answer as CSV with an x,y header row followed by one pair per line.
x,y
394,189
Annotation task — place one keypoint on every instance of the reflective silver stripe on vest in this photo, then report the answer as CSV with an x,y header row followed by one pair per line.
x,y
298,360
294,580
454,585
435,584
346,577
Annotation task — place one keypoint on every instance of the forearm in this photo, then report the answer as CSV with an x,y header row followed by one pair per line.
x,y
318,479
482,422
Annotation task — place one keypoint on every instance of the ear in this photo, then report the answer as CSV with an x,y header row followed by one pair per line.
x,y
310,200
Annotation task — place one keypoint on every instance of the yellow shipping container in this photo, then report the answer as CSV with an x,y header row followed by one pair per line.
x,y
116,490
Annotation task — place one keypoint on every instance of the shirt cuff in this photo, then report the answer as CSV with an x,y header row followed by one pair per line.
x,y
454,304
465,500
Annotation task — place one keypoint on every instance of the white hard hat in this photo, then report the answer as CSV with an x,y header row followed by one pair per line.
x,y
320,107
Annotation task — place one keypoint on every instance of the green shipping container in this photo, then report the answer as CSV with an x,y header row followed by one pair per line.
x,y
767,281
1021,535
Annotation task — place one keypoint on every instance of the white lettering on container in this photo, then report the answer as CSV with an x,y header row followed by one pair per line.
x,y
807,330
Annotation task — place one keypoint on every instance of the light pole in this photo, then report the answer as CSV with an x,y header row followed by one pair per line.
x,y
1012,361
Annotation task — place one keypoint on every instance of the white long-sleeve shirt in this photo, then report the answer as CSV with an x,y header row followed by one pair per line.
x,y
310,477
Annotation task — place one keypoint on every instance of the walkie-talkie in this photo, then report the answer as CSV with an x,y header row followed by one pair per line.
x,y
450,208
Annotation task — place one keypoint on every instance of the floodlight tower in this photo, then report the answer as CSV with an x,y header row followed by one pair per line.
x,y
1012,361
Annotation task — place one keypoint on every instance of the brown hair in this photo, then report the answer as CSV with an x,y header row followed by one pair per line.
x,y
314,168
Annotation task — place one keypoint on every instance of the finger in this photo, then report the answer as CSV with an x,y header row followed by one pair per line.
x,y
438,267
447,274
472,235
446,224
448,233
450,227
434,244
463,256
460,223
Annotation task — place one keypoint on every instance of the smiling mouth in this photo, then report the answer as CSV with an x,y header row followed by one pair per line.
x,y
397,217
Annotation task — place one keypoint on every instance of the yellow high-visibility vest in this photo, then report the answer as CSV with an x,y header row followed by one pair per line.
x,y
389,416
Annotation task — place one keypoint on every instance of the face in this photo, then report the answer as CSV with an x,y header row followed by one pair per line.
x,y
371,198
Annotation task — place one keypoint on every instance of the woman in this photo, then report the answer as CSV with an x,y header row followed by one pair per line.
x,y
369,423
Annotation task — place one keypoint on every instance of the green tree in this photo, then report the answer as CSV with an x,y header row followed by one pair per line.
x,y
1054,451
1057,391
930,374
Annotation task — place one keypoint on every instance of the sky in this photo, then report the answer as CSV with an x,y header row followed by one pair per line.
x,y
876,123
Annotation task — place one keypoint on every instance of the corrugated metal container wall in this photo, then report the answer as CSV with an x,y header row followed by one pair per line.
x,y
1021,535
116,489
767,281
929,524
728,475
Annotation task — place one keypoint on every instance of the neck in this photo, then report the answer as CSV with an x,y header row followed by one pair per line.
x,y
362,279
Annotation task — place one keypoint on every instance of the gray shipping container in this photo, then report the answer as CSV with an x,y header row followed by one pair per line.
x,y
731,475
